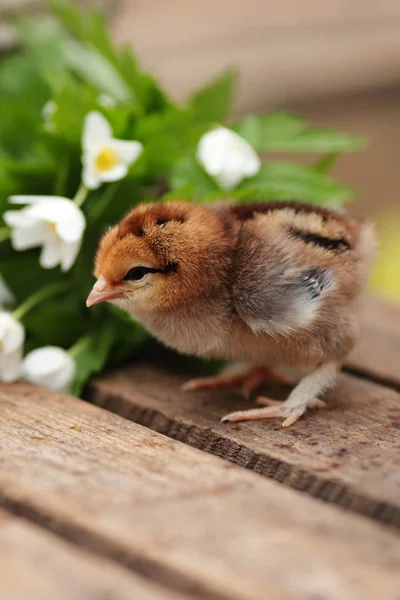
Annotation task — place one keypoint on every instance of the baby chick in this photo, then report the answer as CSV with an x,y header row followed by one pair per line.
x,y
271,285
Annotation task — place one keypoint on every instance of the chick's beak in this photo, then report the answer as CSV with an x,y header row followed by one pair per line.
x,y
103,291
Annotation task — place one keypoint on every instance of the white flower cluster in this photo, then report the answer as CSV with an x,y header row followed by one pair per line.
x,y
50,366
57,225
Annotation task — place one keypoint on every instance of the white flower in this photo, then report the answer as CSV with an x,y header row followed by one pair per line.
x,y
48,112
106,101
6,296
53,222
105,158
51,367
227,157
12,336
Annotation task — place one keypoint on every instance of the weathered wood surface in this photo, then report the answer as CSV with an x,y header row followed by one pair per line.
x,y
348,454
179,516
38,565
377,355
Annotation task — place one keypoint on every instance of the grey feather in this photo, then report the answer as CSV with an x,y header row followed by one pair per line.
x,y
272,295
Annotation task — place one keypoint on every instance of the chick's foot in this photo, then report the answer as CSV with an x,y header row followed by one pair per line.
x,y
305,395
275,408
248,381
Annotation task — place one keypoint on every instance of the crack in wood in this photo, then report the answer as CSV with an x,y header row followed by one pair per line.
x,y
373,378
209,441
101,546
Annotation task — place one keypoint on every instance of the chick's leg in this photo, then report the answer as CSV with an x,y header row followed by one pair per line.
x,y
305,395
249,380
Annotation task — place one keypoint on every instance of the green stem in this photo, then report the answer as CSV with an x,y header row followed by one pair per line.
x,y
80,195
42,294
96,211
79,346
5,233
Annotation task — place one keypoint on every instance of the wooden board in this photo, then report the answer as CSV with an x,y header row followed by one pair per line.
x,y
348,455
38,565
182,517
377,355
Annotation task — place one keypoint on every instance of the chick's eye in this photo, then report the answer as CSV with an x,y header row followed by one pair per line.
x,y
137,273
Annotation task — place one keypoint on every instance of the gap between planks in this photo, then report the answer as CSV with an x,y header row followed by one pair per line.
x,y
198,522
349,455
36,564
176,585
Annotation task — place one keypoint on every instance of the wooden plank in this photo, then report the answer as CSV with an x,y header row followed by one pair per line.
x,y
181,515
348,455
377,355
38,565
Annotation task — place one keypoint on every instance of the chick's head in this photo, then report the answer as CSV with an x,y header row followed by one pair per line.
x,y
161,256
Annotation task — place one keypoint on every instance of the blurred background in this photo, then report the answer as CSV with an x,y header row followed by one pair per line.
x,y
336,62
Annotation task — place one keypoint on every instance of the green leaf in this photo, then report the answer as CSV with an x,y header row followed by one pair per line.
x,y
289,181
188,175
213,102
167,137
93,56
96,70
281,132
92,357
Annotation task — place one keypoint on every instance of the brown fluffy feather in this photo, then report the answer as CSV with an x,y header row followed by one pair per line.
x,y
234,281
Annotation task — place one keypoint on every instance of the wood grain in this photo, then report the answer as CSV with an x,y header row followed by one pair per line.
x,y
347,455
178,515
38,565
377,355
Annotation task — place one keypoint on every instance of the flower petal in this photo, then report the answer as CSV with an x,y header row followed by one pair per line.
x,y
69,253
71,228
118,172
18,218
10,366
96,131
51,367
211,150
227,157
106,101
128,151
51,254
12,334
90,175
23,238
69,219
227,180
29,199
49,110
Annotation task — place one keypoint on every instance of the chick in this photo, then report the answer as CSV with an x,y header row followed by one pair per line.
x,y
272,285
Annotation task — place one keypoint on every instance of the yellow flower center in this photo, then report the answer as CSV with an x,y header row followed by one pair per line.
x,y
106,159
52,226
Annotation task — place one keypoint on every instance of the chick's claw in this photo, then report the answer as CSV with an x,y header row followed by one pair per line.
x,y
273,409
264,401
